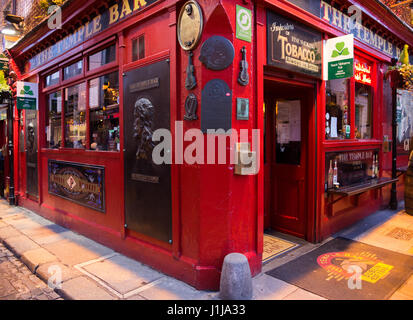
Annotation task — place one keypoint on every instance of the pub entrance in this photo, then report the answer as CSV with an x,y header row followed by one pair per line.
x,y
287,112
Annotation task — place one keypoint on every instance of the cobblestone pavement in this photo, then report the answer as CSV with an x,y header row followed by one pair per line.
x,y
17,282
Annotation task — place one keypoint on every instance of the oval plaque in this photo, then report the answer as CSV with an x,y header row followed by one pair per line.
x,y
217,53
190,24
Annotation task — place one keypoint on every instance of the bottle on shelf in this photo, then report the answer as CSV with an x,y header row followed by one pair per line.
x,y
335,175
330,176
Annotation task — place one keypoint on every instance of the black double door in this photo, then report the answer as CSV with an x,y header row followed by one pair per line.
x,y
31,153
147,185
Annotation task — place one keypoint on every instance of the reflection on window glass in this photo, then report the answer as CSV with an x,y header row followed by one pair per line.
x,y
102,57
75,116
52,79
73,70
53,120
337,111
363,111
104,112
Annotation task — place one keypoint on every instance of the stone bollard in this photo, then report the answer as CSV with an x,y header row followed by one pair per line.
x,y
236,281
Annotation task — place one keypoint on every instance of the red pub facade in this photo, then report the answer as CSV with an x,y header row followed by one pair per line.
x,y
115,71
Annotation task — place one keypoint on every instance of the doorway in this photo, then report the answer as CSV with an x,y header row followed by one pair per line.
x,y
287,114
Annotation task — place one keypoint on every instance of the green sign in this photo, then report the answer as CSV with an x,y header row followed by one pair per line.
x,y
27,95
339,58
26,103
243,23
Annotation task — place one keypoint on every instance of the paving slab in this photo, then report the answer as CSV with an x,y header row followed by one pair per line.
x,y
72,253
268,288
8,232
46,234
400,296
33,258
171,289
82,288
22,223
20,244
301,294
122,274
67,273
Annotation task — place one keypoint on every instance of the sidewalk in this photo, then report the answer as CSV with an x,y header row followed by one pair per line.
x,y
92,271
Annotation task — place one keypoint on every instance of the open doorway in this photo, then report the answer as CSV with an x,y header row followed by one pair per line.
x,y
288,109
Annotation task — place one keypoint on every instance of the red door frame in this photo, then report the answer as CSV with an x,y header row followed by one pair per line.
x,y
311,152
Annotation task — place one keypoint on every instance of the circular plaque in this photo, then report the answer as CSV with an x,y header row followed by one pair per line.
x,y
190,24
217,53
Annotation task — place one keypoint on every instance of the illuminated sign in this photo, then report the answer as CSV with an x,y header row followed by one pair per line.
x,y
362,73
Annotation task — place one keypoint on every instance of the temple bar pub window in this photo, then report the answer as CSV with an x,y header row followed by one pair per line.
x,y
363,99
53,120
73,70
104,112
337,109
89,106
52,79
102,57
75,116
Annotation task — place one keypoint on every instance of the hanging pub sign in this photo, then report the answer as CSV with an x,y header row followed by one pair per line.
x,y
293,46
339,57
27,94
82,184
119,10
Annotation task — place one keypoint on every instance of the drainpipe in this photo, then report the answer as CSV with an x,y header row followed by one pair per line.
x,y
393,194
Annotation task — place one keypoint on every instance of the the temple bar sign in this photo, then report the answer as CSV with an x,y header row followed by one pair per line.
x,y
345,23
27,95
118,11
293,46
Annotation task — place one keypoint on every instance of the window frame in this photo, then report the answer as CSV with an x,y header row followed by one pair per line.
x,y
84,77
109,65
375,109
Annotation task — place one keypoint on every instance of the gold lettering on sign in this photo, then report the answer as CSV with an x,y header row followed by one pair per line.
x,y
88,31
327,9
337,15
96,24
113,14
139,4
125,9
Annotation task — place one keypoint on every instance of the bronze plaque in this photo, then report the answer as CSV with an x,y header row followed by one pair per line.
x,y
190,24
217,53
216,106
148,193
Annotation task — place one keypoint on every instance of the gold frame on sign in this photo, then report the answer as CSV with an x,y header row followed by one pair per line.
x,y
198,20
